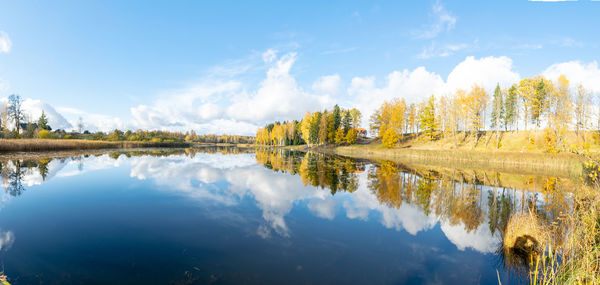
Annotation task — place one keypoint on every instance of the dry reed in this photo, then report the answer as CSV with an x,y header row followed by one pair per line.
x,y
29,145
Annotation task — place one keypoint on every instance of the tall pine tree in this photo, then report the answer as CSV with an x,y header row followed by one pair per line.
x,y
497,112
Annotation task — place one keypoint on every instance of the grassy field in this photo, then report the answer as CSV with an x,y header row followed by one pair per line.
x,y
31,145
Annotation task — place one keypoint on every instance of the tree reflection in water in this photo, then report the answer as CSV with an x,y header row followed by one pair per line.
x,y
465,198
450,195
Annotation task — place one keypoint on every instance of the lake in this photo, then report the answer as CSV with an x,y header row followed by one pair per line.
x,y
229,215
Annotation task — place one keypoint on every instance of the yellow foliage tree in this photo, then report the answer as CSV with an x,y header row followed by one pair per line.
x,y
559,113
477,101
305,127
351,136
526,90
390,138
339,135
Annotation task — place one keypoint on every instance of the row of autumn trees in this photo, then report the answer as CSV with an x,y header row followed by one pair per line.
x,y
533,102
316,128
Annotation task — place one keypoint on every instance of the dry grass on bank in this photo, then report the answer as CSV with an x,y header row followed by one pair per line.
x,y
510,141
560,164
580,260
54,145
551,255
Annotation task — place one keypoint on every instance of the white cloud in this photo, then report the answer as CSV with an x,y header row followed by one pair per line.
x,y
441,51
569,42
443,21
278,97
33,110
226,126
92,122
586,74
419,83
339,51
5,42
480,239
269,55
328,84
323,208
7,238
228,106
217,106
487,72
185,108
529,46
411,85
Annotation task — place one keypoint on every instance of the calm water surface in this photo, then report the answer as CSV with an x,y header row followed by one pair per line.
x,y
243,216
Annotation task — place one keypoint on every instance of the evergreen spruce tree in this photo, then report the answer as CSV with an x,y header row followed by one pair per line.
x,y
43,122
337,117
347,122
510,107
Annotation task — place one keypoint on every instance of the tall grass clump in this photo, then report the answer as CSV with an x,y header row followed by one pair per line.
x,y
578,260
525,238
525,234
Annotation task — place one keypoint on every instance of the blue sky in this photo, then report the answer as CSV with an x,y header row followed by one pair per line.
x,y
230,66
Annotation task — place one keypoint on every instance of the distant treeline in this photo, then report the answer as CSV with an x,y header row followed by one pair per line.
x,y
16,124
317,128
154,136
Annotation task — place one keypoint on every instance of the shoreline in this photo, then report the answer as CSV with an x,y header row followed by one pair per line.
x,y
41,145
528,162
560,164
568,165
